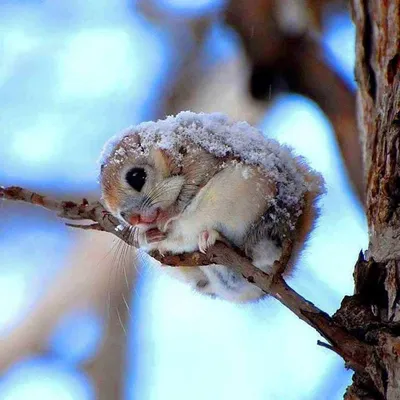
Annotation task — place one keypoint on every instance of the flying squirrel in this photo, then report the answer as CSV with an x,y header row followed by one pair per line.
x,y
182,182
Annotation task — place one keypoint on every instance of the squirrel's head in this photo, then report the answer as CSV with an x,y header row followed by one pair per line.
x,y
140,185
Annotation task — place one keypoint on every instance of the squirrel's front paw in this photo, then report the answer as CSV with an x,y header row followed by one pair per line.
x,y
146,238
207,239
154,236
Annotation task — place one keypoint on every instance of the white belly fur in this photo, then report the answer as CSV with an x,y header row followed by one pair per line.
x,y
230,202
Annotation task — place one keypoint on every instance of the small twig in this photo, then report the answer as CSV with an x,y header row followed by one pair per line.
x,y
326,345
354,352
92,227
95,212
330,347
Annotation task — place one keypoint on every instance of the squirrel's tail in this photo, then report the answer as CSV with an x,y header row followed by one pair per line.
x,y
309,216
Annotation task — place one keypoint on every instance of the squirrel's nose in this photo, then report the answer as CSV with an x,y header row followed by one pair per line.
x,y
132,219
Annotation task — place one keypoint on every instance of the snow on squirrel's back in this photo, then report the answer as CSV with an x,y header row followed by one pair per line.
x,y
221,137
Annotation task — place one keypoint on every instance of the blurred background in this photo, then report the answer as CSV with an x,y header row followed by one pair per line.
x,y
80,319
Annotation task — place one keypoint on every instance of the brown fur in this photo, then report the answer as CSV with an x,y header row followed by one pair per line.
x,y
304,226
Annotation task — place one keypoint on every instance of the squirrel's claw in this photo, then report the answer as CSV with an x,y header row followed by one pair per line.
x,y
207,239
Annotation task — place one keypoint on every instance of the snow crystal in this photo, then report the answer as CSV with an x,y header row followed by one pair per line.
x,y
112,144
222,137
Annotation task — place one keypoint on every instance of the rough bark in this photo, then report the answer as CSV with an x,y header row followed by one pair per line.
x,y
373,313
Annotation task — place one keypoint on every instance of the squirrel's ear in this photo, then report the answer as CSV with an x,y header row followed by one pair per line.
x,y
163,163
160,162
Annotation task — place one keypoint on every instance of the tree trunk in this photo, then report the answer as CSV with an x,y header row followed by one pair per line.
x,y
373,313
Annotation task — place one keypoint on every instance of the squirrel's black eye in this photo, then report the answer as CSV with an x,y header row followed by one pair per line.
x,y
136,178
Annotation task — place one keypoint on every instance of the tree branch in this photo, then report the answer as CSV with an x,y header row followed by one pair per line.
x,y
294,61
354,352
